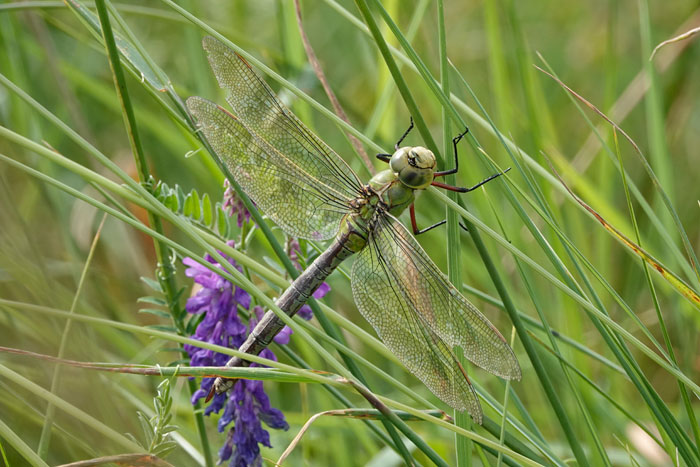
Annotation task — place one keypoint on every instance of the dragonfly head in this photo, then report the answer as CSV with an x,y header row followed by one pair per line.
x,y
414,166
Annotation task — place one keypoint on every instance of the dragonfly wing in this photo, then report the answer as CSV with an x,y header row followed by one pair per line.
x,y
256,105
445,309
398,288
378,289
297,201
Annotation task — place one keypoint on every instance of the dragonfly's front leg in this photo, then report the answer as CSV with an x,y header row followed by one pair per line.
x,y
455,140
385,157
405,133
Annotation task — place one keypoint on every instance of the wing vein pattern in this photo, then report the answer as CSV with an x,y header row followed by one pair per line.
x,y
306,188
263,115
420,316
288,171
302,205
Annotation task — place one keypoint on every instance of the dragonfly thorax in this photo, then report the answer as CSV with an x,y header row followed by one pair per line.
x,y
414,166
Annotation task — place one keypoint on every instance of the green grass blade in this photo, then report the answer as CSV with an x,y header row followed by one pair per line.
x,y
45,437
537,302
166,268
463,446
15,440
385,99
397,75
72,410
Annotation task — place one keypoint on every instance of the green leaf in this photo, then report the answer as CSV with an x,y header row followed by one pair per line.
x,y
153,284
207,215
146,427
181,195
188,209
152,300
172,202
151,311
196,205
221,221
157,189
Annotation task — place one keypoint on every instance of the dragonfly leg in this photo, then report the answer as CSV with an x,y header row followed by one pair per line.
x,y
455,140
387,157
417,231
414,225
466,190
405,133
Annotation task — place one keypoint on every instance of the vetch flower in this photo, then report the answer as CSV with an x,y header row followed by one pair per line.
x,y
250,405
246,405
293,250
234,205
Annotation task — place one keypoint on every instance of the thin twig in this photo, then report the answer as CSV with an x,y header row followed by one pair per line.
x,y
299,435
134,460
678,38
329,92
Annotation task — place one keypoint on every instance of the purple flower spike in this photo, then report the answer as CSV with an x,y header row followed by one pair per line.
x,y
234,205
293,250
246,405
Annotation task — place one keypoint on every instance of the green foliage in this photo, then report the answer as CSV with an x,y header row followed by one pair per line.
x,y
157,429
195,208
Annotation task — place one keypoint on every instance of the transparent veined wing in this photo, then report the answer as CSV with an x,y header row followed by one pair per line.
x,y
378,293
420,316
442,306
257,107
300,203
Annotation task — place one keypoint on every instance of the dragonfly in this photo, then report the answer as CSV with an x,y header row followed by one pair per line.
x,y
310,192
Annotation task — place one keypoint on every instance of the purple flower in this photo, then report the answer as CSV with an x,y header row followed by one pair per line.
x,y
234,205
246,405
250,406
293,250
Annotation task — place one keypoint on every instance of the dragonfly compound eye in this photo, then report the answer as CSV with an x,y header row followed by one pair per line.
x,y
414,166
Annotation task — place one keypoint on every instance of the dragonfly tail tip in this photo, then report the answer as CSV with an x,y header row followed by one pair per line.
x,y
212,391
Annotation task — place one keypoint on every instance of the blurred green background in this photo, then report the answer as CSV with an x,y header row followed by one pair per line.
x,y
600,49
